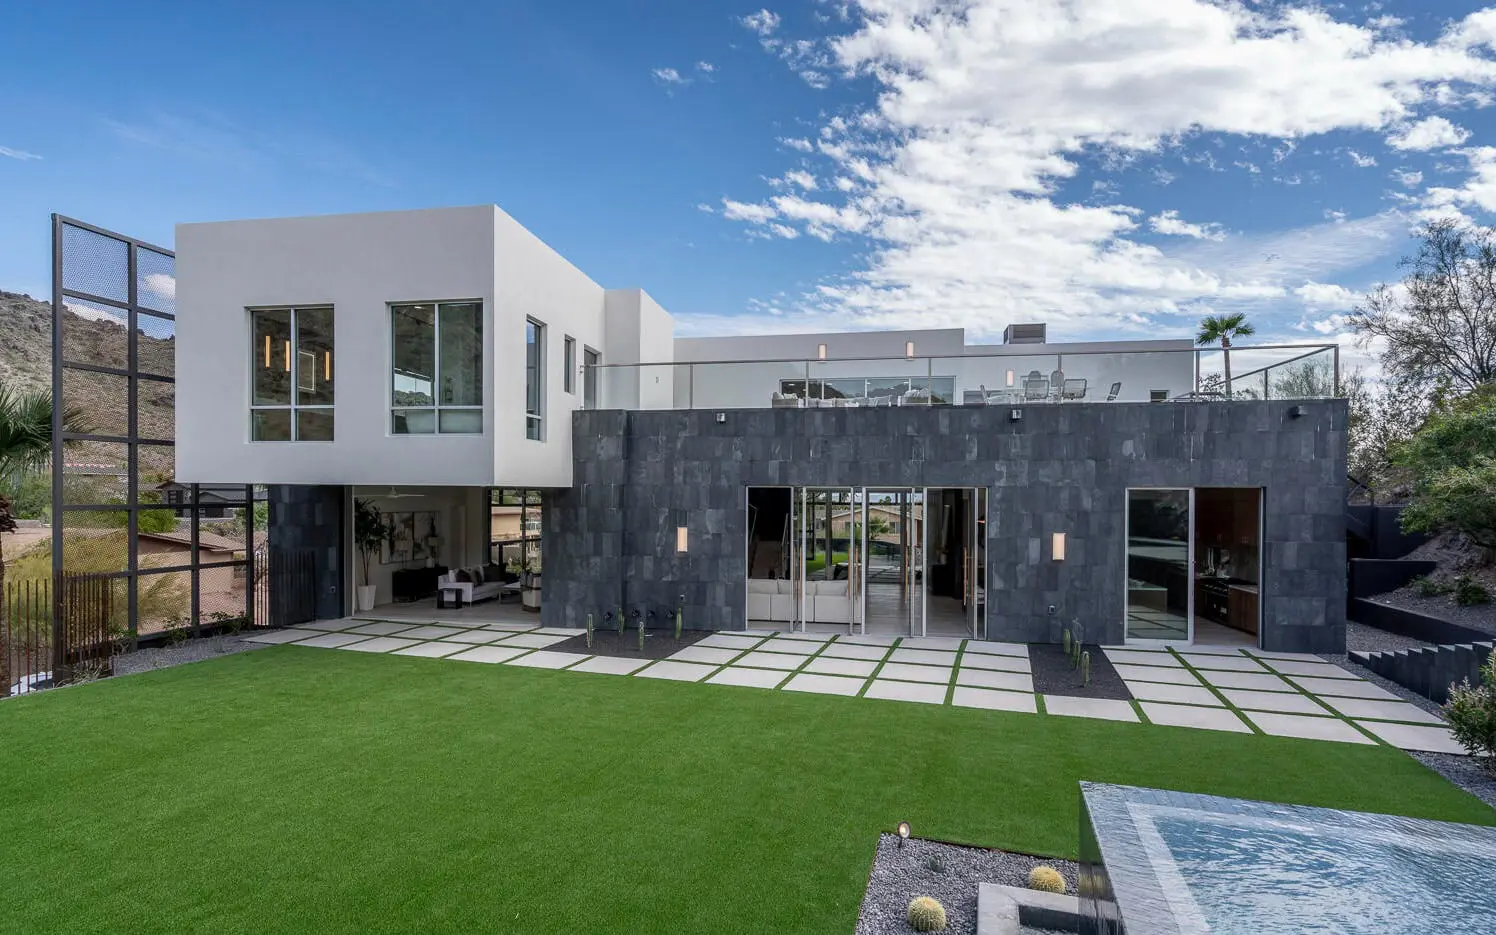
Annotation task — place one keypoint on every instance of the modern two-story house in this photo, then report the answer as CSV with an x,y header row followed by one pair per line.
x,y
878,482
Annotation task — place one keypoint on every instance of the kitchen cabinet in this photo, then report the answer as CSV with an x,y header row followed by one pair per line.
x,y
1242,608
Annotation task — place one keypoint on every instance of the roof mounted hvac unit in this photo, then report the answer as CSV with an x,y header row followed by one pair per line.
x,y
1023,334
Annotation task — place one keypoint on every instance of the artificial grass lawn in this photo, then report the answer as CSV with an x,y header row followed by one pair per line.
x,y
302,790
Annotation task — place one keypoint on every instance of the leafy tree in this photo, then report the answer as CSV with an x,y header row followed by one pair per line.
x,y
30,494
1383,416
1440,326
25,448
1452,463
1220,329
1311,378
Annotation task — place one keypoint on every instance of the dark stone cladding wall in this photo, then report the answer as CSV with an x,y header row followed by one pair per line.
x,y
610,539
308,517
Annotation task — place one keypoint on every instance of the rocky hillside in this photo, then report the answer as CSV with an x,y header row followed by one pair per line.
x,y
90,337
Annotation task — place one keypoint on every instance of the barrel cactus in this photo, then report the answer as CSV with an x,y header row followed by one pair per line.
x,y
1047,879
926,914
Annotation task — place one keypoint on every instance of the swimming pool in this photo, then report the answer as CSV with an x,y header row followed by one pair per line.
x,y
1167,863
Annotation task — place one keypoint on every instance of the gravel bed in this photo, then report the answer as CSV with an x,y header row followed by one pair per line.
x,y
1462,771
658,644
164,657
948,872
1359,636
1480,617
1054,675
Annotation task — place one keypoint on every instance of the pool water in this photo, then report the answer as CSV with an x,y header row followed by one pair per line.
x,y
1264,877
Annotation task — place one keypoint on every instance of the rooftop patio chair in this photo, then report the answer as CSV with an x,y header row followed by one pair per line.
x,y
1111,394
973,397
785,401
1035,389
1074,389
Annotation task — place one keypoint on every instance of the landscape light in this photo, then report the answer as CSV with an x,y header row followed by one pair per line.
x,y
903,832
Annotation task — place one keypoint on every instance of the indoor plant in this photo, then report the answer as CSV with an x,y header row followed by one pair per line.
x,y
369,534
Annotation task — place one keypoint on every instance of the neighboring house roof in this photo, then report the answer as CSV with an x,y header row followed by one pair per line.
x,y
217,491
205,540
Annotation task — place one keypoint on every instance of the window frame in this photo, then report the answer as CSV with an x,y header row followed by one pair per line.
x,y
293,408
569,365
535,420
592,358
437,407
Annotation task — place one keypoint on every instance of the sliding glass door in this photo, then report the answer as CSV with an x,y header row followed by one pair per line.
x,y
1160,565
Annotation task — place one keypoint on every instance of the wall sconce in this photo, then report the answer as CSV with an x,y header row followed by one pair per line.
x,y
682,535
1015,415
721,418
1297,412
908,348
820,352
1057,546
1010,378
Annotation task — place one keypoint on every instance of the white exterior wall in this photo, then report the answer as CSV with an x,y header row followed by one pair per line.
x,y
533,281
637,330
358,264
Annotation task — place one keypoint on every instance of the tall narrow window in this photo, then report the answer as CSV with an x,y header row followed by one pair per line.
x,y
291,363
569,360
437,379
590,360
534,379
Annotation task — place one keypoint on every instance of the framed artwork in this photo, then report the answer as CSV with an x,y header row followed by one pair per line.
x,y
409,535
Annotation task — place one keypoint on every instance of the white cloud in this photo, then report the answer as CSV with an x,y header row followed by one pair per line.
x,y
815,79
788,233
764,22
986,108
669,76
1327,296
18,154
706,68
1361,160
162,284
1479,190
799,145
705,208
741,211
1407,178
1169,222
801,178
1428,133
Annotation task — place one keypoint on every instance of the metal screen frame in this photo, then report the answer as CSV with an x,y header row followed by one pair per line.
x,y
132,506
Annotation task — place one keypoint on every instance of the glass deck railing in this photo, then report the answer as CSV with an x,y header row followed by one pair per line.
x,y
1010,378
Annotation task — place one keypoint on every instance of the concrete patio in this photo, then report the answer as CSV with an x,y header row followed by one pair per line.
x,y
1234,689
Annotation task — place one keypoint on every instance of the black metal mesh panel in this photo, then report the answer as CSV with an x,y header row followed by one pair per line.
x,y
94,541
157,467
164,601
101,399
156,345
93,333
157,409
156,280
95,264
221,593
96,473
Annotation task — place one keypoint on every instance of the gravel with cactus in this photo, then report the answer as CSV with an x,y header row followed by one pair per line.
x,y
949,873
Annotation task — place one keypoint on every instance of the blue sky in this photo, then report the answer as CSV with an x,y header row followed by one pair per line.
x,y
1114,167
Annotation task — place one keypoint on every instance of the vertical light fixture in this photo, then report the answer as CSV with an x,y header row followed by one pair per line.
x,y
327,365
908,348
267,352
288,355
682,535
820,352
1010,378
1057,546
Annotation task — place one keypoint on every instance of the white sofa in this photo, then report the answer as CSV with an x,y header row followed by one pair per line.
x,y
773,599
469,592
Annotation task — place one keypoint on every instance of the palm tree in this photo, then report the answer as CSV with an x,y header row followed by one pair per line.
x,y
1220,329
25,447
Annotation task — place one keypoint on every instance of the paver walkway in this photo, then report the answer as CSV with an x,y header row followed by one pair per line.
x,y
1208,688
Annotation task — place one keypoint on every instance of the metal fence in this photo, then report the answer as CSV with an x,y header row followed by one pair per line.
x,y
38,649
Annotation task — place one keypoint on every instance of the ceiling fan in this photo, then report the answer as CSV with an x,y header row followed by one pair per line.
x,y
395,495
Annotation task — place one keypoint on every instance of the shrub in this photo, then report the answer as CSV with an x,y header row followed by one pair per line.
x,y
935,863
1425,586
1047,879
1471,710
1468,591
926,914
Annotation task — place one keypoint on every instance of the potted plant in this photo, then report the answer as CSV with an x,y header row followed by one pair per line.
x,y
530,588
369,535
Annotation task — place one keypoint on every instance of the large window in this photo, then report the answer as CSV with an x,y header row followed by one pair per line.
x,y
292,394
437,383
534,379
